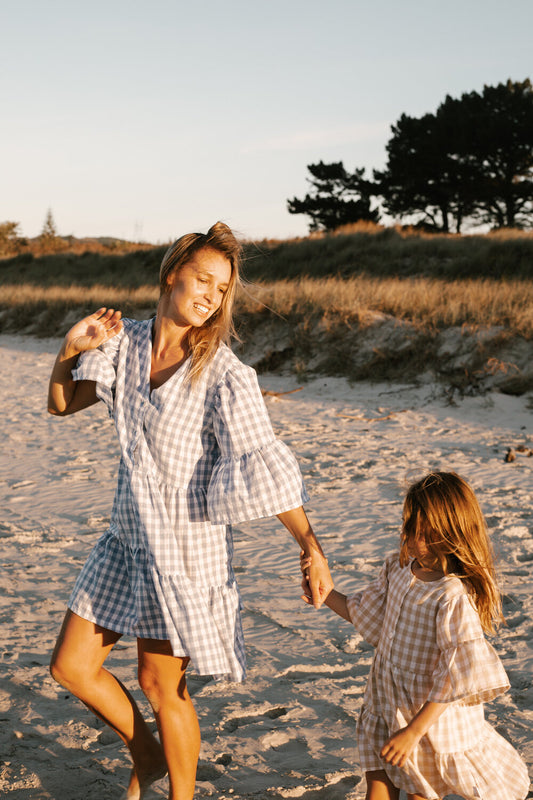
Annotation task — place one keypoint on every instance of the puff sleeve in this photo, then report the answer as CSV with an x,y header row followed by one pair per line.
x,y
468,669
100,365
256,474
367,607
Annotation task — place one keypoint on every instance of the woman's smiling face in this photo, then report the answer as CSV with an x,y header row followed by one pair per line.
x,y
197,289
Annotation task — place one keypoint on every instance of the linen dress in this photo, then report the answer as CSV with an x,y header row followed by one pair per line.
x,y
193,460
430,646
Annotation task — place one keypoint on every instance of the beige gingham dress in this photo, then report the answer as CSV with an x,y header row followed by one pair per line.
x,y
430,646
194,459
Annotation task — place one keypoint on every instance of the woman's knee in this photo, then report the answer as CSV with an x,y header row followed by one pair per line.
x,y
162,680
63,670
80,651
160,687
149,683
55,670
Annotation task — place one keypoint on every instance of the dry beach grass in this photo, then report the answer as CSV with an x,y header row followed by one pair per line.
x,y
428,302
424,301
364,302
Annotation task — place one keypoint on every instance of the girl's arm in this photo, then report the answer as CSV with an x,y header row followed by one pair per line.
x,y
401,744
66,396
320,582
337,602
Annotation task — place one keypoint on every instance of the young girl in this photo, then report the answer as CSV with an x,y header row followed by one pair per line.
x,y
197,453
421,726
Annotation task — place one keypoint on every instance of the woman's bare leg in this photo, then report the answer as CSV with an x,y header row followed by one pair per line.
x,y
379,787
162,679
79,654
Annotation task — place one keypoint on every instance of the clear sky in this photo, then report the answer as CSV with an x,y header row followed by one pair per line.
x,y
145,119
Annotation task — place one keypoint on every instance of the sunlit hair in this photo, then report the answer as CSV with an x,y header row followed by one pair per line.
x,y
203,341
442,511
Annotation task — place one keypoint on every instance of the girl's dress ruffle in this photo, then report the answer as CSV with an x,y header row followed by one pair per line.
x,y
471,673
488,770
367,607
492,769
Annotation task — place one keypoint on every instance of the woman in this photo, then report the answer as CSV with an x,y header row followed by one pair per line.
x,y
197,453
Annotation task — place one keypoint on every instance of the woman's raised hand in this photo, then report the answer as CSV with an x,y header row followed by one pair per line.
x,y
66,396
92,331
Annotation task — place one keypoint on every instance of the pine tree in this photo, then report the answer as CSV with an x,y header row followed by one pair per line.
x,y
50,241
337,197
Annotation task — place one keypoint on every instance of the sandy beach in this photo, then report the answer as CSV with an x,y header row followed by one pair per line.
x,y
289,730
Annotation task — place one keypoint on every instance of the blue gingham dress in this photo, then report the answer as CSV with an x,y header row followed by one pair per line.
x,y
194,459
430,646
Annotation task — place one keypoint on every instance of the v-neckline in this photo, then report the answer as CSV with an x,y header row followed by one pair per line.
x,y
149,348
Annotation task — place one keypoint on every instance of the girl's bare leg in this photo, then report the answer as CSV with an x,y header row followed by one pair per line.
x,y
415,797
162,679
379,787
80,652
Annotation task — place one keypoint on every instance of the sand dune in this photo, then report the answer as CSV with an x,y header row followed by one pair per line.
x,y
288,732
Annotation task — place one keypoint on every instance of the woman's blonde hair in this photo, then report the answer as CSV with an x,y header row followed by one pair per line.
x,y
203,341
442,511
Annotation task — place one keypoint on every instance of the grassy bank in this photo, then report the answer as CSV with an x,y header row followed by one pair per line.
x,y
357,250
390,294
430,280
394,252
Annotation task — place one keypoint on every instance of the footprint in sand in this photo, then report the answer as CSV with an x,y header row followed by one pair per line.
x,y
237,721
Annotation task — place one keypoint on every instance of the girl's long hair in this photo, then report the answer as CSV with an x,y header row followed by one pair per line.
x,y
442,511
203,341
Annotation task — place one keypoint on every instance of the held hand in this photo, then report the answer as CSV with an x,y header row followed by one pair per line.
x,y
92,331
307,597
335,600
399,747
305,563
317,582
298,525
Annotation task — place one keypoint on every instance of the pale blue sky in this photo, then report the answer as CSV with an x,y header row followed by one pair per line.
x,y
144,119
